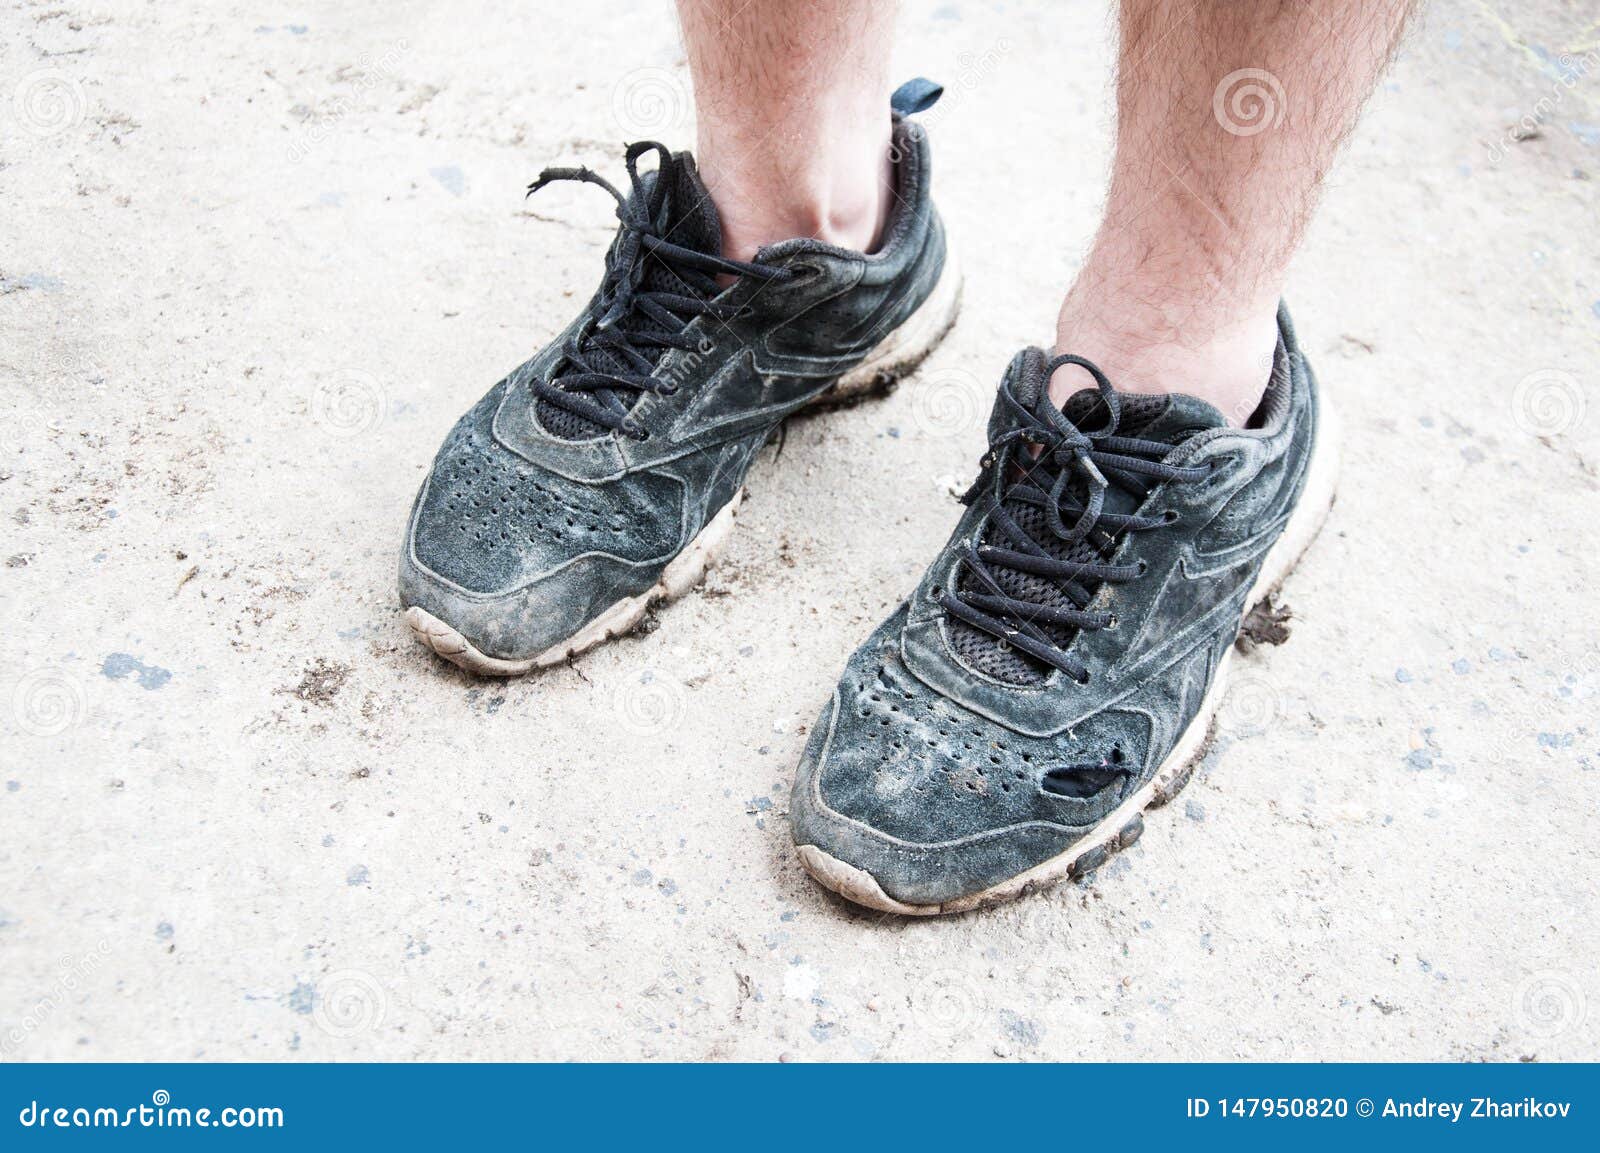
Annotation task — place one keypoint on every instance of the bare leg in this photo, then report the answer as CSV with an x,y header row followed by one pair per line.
x,y
792,101
1228,117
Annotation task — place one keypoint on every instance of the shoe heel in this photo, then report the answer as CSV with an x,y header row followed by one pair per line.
x,y
899,353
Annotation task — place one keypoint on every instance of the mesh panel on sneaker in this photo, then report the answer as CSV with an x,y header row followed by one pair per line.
x,y
691,220
987,654
1142,415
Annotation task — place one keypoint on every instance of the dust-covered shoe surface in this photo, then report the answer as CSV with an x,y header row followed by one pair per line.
x,y
1056,671
604,474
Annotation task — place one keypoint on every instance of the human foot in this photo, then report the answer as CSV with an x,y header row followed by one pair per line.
x,y
1056,671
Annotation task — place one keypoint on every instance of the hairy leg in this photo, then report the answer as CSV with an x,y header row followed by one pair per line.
x,y
1228,117
792,103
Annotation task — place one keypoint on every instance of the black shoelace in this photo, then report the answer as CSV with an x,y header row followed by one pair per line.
x,y
607,354
1068,480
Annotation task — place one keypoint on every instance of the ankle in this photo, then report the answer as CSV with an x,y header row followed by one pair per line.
x,y
1225,363
840,199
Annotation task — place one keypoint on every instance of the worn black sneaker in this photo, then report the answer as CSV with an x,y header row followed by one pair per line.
x,y
604,474
1057,670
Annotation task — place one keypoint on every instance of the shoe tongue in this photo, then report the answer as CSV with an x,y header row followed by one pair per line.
x,y
687,218
690,215
1167,418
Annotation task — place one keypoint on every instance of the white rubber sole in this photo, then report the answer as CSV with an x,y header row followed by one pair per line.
x,y
1123,826
893,357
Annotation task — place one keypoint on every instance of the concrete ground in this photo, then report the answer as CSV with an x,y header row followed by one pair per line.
x,y
252,267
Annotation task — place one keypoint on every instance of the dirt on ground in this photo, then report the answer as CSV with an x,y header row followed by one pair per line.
x,y
255,263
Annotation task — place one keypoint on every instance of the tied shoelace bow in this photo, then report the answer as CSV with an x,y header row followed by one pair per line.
x,y
1036,462
606,354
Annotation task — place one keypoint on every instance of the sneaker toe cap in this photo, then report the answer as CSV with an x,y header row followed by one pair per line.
x,y
905,792
517,558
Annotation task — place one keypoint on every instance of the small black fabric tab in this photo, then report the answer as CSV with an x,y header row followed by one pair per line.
x,y
914,96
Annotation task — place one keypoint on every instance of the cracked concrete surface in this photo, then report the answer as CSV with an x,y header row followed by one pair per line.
x,y
252,267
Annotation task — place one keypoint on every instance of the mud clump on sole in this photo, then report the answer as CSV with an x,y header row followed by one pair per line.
x,y
1265,624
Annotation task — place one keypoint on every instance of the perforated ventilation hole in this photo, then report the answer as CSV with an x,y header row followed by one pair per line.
x,y
500,502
